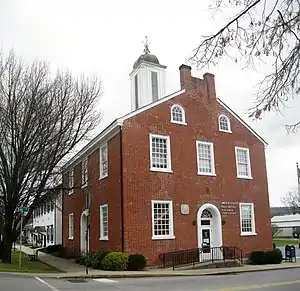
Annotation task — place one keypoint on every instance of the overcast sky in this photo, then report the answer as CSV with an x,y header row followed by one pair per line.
x,y
105,37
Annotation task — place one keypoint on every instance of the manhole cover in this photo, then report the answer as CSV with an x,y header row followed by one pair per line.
x,y
76,281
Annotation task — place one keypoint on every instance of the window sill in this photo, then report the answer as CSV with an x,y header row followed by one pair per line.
x,y
178,122
227,131
70,193
104,238
206,174
163,237
103,177
161,170
245,177
84,186
248,233
71,238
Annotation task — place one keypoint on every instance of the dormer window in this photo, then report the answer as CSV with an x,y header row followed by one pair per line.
x,y
224,123
177,114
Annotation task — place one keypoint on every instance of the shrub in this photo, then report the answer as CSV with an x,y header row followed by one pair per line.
x,y
273,256
136,262
66,253
97,258
257,258
115,261
53,249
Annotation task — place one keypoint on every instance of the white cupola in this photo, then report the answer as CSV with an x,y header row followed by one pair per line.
x,y
148,79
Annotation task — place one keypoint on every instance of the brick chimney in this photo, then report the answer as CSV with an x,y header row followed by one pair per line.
x,y
188,82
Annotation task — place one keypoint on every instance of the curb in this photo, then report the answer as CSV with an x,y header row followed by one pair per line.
x,y
142,275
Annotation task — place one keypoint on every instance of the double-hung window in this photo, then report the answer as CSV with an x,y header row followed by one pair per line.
x,y
84,172
103,161
71,226
205,158
243,166
104,222
71,181
160,153
247,219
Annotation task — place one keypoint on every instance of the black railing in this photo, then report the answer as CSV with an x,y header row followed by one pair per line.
x,y
201,255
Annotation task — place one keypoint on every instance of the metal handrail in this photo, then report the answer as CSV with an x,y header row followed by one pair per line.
x,y
200,255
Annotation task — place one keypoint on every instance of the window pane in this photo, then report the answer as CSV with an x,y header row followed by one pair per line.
x,y
136,92
154,86
242,162
177,114
224,123
161,219
246,218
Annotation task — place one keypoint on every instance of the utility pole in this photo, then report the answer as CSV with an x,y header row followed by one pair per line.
x,y
21,230
87,214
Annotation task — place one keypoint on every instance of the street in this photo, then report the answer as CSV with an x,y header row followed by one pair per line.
x,y
280,280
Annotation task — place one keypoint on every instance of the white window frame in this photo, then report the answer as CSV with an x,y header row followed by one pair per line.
x,y
71,226
102,236
228,122
213,169
249,163
171,222
71,181
84,172
183,122
253,232
101,175
169,164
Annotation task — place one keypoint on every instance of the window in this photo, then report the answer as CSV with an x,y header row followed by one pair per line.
x,y
177,114
136,92
48,233
103,162
160,153
154,83
205,158
51,233
243,166
71,181
84,173
71,226
162,220
104,222
247,220
224,123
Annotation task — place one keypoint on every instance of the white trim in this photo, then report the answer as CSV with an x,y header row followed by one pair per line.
x,y
183,122
249,163
242,121
213,170
103,237
171,221
71,178
228,123
169,162
100,161
253,232
84,172
71,236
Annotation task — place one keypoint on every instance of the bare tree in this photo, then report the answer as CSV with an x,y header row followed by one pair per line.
x,y
42,118
265,31
292,200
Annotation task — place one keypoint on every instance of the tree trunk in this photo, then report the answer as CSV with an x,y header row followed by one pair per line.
x,y
7,243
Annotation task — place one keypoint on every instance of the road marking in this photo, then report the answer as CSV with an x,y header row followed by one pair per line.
x,y
47,284
105,280
258,286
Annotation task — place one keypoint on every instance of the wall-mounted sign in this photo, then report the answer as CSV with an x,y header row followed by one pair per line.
x,y
229,208
185,209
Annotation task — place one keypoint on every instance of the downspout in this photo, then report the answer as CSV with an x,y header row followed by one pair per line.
x,y
122,192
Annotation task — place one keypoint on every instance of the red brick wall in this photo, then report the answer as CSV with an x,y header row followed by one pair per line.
x,y
102,191
184,185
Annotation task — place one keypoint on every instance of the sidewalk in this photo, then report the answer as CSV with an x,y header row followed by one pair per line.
x,y
73,271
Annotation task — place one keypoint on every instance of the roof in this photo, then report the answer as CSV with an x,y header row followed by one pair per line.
x,y
116,125
286,218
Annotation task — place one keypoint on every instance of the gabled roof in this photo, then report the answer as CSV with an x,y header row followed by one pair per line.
x,y
242,121
113,128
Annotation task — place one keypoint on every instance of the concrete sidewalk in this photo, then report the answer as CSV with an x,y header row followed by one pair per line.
x,y
73,271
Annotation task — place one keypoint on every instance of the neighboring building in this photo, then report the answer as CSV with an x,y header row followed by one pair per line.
x,y
47,221
27,231
279,211
289,225
180,171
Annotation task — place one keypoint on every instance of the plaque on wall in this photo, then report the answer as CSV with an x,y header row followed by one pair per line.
x,y
229,208
185,209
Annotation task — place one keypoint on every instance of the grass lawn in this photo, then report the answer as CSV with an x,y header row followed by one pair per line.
x,y
285,241
27,266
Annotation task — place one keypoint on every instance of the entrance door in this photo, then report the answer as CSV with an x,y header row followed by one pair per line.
x,y
206,234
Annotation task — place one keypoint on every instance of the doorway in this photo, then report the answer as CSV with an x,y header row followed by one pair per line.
x,y
209,228
84,241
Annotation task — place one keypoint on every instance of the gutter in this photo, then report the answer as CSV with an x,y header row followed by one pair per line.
x,y
122,192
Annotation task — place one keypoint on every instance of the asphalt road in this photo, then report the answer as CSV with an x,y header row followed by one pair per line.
x,y
282,280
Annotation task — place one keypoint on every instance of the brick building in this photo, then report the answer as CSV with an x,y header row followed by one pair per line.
x,y
179,171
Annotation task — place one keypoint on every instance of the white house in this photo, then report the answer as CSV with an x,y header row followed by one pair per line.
x,y
289,225
47,221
